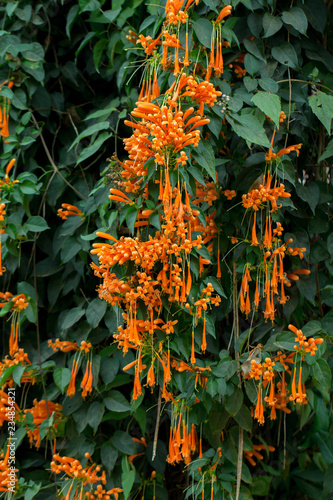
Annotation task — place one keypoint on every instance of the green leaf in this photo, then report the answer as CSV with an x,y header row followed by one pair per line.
x,y
309,193
204,155
109,369
111,14
84,42
71,16
90,131
311,328
285,54
17,374
244,418
252,64
98,52
330,244
6,308
328,480
35,52
94,147
260,485
115,401
235,401
322,373
296,18
250,83
61,377
127,480
72,317
69,249
123,442
307,287
269,85
270,104
130,217
36,224
32,490
95,414
316,12
249,128
109,455
271,24
89,5
256,48
95,312
328,153
6,374
203,29
322,106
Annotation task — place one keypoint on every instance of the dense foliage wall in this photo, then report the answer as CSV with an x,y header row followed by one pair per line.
x,y
172,337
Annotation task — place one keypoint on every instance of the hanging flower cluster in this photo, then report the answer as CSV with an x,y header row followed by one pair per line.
x,y
183,441
84,349
40,411
272,383
81,477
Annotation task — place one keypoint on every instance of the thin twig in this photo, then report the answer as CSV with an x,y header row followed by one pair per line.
x,y
236,336
157,424
54,166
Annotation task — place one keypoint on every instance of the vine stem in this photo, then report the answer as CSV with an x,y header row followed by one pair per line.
x,y
157,424
236,336
307,82
54,166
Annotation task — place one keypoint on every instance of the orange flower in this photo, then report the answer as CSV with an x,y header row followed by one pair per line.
x,y
226,11
68,209
71,386
151,375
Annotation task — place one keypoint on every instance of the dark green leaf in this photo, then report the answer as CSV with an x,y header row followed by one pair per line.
x,y
36,224
109,455
322,373
309,193
123,442
328,153
94,147
204,155
249,127
95,414
271,24
285,54
115,401
95,312
72,317
322,106
203,29
61,377
90,131
234,402
296,18
270,104
127,481
6,374
69,249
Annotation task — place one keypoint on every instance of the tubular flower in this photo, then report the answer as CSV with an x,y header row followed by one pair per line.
x,y
255,453
78,476
40,412
68,209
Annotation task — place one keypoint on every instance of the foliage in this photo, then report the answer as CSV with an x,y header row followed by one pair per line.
x,y
171,396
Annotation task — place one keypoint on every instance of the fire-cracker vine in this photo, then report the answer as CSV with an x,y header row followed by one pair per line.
x,y
159,277
163,311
